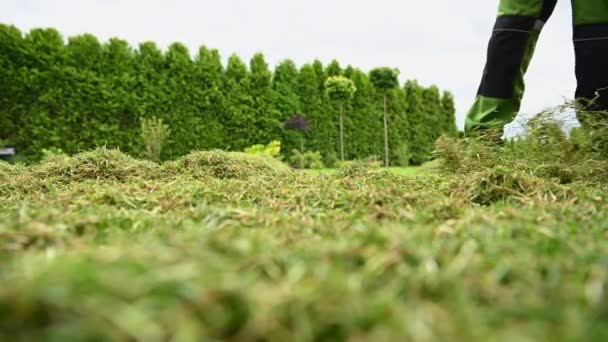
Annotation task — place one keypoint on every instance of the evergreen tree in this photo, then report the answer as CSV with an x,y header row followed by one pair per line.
x,y
418,125
317,65
118,125
334,69
14,82
84,52
118,57
399,140
434,115
426,121
312,106
41,125
349,71
43,49
152,97
364,124
326,126
210,99
240,117
85,96
80,94
268,120
181,112
285,86
449,114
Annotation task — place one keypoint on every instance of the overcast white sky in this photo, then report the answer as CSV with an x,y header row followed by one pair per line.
x,y
439,42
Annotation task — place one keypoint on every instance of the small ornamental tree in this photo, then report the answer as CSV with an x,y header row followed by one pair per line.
x,y
385,79
341,90
300,124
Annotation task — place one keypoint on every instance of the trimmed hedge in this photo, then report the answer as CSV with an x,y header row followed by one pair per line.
x,y
82,94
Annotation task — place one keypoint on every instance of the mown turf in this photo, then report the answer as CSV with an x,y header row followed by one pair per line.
x,y
220,246
404,171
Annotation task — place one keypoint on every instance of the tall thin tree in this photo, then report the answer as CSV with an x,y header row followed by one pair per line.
x,y
341,90
385,79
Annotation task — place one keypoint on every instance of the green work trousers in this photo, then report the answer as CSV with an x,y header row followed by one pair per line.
x,y
511,48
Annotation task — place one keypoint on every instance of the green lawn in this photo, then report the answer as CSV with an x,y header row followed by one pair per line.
x,y
405,171
220,246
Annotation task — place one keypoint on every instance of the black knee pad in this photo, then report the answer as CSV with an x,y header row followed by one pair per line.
x,y
505,55
591,46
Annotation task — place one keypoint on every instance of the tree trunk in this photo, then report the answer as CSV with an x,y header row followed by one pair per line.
x,y
342,131
386,152
301,152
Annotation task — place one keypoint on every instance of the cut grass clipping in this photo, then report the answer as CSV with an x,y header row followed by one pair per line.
x,y
506,243
230,165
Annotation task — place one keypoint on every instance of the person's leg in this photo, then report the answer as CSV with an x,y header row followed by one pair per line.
x,y
591,46
510,51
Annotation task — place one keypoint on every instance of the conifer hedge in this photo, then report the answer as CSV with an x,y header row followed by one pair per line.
x,y
80,93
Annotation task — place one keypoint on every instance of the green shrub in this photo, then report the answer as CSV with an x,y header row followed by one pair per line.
x,y
308,160
154,134
51,152
273,149
5,142
297,159
402,155
331,159
314,160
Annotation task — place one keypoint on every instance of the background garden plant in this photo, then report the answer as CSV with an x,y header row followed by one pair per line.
x,y
53,87
154,134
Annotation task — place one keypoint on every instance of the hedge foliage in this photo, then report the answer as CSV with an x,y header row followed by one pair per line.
x,y
81,93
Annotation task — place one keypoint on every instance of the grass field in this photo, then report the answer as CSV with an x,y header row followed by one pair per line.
x,y
220,246
404,171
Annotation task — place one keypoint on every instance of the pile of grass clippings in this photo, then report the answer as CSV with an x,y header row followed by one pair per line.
x,y
545,151
99,164
502,184
229,165
508,242
360,168
7,169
